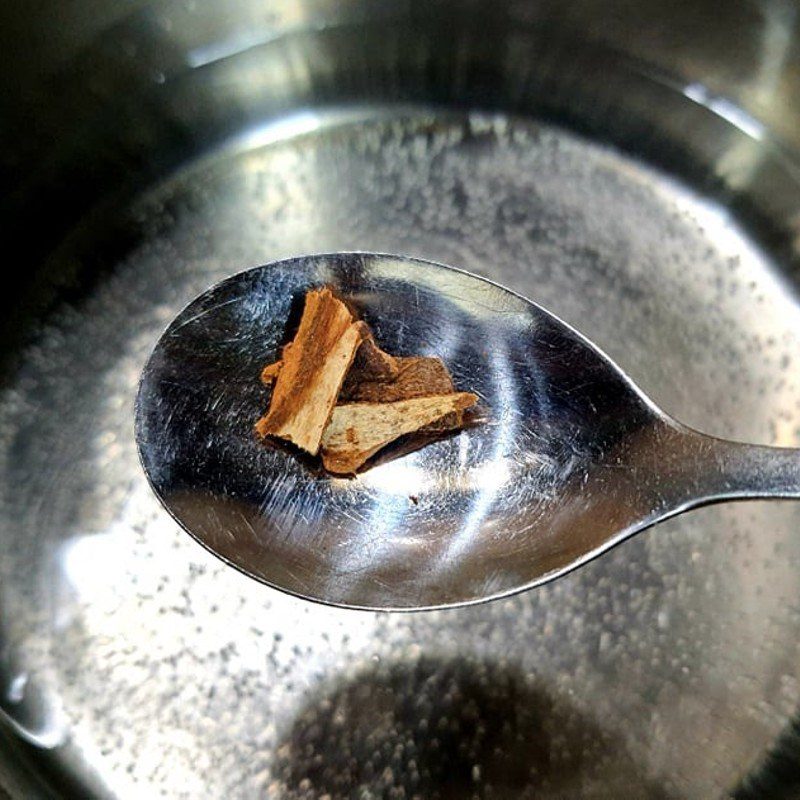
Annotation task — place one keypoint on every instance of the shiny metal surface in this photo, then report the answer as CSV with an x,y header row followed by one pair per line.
x,y
633,169
570,459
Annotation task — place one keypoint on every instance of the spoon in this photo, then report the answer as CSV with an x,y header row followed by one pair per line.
x,y
570,460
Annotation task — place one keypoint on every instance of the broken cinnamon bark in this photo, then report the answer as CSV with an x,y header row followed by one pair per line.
x,y
357,431
270,373
370,364
417,376
311,371
334,388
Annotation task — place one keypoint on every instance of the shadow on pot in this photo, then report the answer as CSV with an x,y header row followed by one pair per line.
x,y
452,729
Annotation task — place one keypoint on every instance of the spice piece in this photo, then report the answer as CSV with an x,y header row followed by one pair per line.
x,y
336,390
311,372
370,364
270,373
417,376
358,430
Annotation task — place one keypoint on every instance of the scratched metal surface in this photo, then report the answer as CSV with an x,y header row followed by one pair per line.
x,y
496,508
139,664
564,458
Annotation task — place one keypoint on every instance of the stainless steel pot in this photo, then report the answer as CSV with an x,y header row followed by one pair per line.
x,y
635,165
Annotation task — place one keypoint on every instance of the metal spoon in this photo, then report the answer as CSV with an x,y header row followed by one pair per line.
x,y
571,460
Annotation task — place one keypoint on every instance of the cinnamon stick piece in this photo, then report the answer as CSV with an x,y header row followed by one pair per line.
x,y
416,376
270,373
311,371
357,431
370,364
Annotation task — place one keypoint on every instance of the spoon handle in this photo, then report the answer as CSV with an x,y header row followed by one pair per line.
x,y
731,470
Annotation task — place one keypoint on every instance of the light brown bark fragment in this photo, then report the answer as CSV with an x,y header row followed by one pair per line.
x,y
370,364
357,431
417,376
311,371
270,373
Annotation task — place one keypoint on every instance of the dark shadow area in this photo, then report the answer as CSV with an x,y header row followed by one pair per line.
x,y
777,777
452,730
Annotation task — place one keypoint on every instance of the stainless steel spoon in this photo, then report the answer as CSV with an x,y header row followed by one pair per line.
x,y
571,460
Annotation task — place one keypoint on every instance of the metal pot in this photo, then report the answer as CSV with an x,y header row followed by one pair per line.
x,y
636,169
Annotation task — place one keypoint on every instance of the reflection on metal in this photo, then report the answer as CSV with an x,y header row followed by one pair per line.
x,y
280,130
221,49
730,112
617,464
669,667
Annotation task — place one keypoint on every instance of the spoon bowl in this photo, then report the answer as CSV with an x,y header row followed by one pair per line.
x,y
570,457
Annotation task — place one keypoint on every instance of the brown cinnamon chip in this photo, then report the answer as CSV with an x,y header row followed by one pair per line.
x,y
417,376
311,371
270,373
370,364
335,388
357,431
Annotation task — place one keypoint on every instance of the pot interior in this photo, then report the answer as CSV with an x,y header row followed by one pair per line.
x,y
650,214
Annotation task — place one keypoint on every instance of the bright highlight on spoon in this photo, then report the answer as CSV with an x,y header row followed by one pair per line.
x,y
571,460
